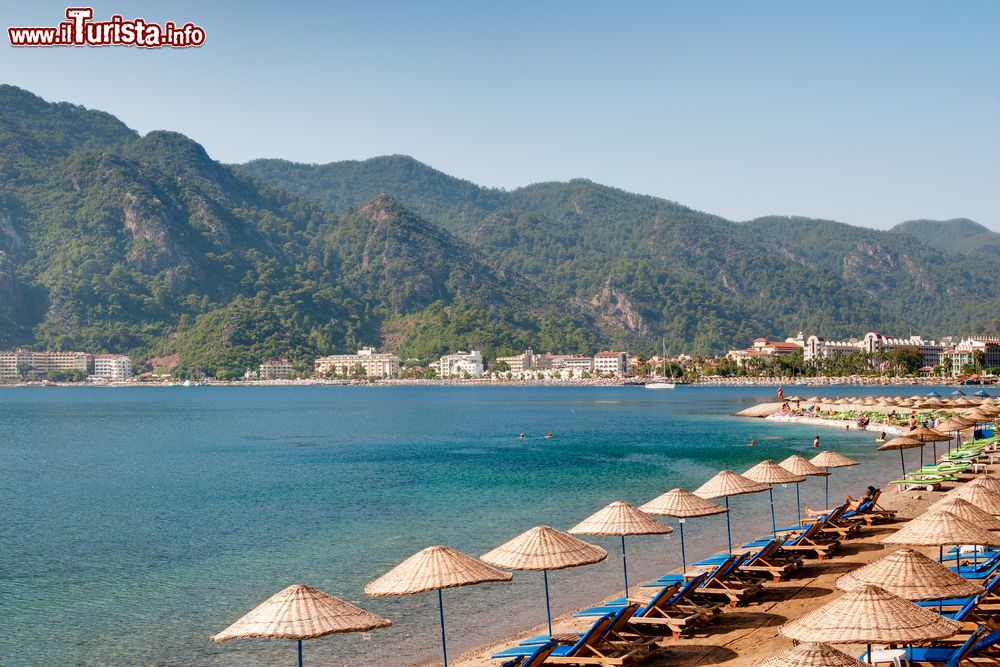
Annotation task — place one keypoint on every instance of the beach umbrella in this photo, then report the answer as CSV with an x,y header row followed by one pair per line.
x,y
938,528
544,548
301,612
901,442
933,393
620,519
770,473
925,435
964,509
986,481
434,569
811,654
798,465
980,494
829,459
795,399
980,415
868,615
982,394
958,392
727,483
954,425
681,505
912,576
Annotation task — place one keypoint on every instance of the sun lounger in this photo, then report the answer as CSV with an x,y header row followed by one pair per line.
x,y
621,615
810,541
926,482
766,560
673,578
723,582
537,657
869,511
591,648
983,570
669,609
988,596
939,656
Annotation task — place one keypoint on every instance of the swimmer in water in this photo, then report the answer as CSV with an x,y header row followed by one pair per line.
x,y
881,438
753,443
521,437
548,435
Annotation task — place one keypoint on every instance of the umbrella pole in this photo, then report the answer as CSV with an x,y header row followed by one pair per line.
x,y
300,653
934,449
902,463
869,661
444,646
684,567
827,480
625,566
774,525
548,610
798,506
729,529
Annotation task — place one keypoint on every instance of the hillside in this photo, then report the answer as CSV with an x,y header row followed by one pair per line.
x,y
660,269
115,242
959,235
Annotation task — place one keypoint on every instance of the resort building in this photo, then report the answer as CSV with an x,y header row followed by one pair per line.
x,y
577,363
113,367
11,363
817,347
276,369
460,364
519,363
366,363
966,352
762,347
611,363
930,350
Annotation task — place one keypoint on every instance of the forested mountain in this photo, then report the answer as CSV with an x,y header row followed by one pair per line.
x,y
109,241
959,235
112,241
659,269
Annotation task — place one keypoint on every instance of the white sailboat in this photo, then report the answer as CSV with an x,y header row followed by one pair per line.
x,y
662,383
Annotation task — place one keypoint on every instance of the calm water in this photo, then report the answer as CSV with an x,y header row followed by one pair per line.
x,y
134,523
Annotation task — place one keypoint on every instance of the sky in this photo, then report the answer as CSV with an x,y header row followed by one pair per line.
x,y
865,112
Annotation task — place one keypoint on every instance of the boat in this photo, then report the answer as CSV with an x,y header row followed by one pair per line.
x,y
662,383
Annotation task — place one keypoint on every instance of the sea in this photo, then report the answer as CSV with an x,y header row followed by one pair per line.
x,y
137,522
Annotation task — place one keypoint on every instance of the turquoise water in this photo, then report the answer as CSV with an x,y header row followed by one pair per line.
x,y
134,523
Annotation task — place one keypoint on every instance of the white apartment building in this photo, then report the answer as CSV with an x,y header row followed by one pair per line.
x,y
367,362
276,369
819,348
113,367
611,363
43,362
460,364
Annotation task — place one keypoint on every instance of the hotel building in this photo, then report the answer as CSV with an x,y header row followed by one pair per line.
x,y
366,362
460,364
276,369
113,367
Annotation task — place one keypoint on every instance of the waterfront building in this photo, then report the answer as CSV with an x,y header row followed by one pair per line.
x,y
817,347
519,363
366,363
930,350
276,369
762,347
113,367
611,363
460,364
11,363
964,353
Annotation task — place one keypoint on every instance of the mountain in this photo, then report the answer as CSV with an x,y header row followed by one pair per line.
x,y
111,241
659,269
959,235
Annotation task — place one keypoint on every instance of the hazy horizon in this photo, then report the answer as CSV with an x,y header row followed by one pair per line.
x,y
869,115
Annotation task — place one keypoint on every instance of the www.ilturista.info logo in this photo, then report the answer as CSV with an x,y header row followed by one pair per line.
x,y
80,30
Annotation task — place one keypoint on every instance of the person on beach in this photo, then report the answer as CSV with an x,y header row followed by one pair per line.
x,y
816,442
852,506
912,422
781,393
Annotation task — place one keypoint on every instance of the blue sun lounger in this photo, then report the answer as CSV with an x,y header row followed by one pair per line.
x,y
620,617
537,657
951,603
590,649
983,570
933,655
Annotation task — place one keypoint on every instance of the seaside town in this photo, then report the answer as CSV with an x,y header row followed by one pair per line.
x,y
910,358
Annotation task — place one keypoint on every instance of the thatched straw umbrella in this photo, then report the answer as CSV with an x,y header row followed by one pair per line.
x,y
963,509
869,615
987,482
798,465
770,473
954,425
828,459
912,576
434,569
980,495
901,442
727,483
301,612
682,505
926,435
544,548
811,654
620,519
938,528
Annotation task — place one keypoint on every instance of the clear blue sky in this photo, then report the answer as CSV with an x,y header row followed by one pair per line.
x,y
866,112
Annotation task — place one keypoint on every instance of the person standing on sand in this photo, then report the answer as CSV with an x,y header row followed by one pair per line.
x,y
816,442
